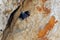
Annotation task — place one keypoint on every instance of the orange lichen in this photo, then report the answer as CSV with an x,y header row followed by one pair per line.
x,y
51,23
46,10
41,33
39,8
43,1
47,28
43,9
44,38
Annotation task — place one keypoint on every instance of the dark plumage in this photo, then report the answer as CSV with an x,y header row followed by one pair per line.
x,y
24,15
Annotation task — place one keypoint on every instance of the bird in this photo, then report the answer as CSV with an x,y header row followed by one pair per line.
x,y
24,15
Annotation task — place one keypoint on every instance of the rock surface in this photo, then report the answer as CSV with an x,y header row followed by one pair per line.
x,y
28,28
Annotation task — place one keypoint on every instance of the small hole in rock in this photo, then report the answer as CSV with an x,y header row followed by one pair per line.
x,y
0,29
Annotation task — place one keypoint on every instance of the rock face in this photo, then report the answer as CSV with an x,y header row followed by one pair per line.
x,y
6,7
40,14
5,10
28,28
